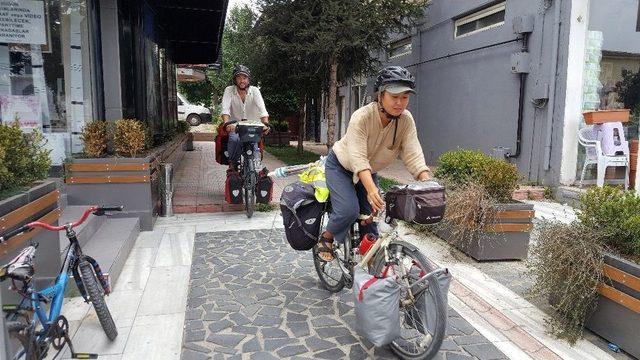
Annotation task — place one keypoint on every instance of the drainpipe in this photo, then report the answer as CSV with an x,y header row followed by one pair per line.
x,y
521,65
523,82
552,86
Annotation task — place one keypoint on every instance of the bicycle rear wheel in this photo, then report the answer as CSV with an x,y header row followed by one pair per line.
x,y
250,180
329,273
422,327
96,296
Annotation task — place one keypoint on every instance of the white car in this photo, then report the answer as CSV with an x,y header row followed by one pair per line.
x,y
192,113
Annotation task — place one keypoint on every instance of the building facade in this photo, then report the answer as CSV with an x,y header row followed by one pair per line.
x,y
503,77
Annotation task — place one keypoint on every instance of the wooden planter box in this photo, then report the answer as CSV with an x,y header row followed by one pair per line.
x,y
277,138
617,317
38,203
203,136
604,116
131,182
507,238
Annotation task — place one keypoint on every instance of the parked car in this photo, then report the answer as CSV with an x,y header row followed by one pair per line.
x,y
192,113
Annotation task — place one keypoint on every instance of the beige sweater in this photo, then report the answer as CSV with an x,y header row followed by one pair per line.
x,y
367,145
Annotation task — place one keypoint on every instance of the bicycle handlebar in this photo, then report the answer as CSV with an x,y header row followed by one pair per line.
x,y
95,210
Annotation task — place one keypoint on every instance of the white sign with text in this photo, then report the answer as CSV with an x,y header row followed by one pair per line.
x,y
22,22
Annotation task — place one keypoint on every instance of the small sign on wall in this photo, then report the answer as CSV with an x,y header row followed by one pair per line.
x,y
24,108
22,22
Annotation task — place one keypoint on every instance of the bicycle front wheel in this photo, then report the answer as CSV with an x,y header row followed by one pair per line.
x,y
423,321
96,296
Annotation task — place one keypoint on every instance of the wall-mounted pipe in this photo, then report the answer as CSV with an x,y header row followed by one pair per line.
x,y
552,85
523,82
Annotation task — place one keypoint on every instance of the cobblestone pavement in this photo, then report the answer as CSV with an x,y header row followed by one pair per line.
x,y
251,296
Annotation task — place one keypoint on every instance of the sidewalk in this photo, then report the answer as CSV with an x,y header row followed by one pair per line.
x,y
204,286
199,181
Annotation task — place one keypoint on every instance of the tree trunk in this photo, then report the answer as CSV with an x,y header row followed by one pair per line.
x,y
301,126
333,89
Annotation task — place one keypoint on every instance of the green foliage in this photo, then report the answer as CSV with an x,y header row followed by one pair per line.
x,y
265,207
566,262
615,214
386,183
628,89
198,92
182,127
24,160
460,166
498,177
289,155
279,125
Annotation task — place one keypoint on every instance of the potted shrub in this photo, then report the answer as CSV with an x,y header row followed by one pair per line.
x,y
25,197
481,218
590,269
279,135
126,174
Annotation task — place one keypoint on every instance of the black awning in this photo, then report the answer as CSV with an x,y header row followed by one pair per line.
x,y
194,28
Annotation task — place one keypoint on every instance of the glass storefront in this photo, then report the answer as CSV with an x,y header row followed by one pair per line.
x,y
45,71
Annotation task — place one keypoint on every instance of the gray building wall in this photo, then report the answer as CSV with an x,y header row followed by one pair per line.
x,y
618,21
471,100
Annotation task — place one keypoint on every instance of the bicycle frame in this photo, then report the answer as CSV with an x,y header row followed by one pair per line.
x,y
55,293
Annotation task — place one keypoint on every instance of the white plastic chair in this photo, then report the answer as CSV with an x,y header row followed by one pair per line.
x,y
596,156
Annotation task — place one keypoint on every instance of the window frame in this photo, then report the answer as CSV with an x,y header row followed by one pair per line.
x,y
477,15
398,44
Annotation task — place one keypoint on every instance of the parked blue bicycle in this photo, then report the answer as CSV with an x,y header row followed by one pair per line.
x,y
28,321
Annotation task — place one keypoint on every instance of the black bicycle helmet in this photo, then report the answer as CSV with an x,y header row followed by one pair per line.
x,y
241,69
394,75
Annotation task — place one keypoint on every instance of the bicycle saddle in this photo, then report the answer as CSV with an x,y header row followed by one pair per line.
x,y
21,267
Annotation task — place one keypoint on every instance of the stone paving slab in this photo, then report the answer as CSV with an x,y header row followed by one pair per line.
x,y
252,296
199,181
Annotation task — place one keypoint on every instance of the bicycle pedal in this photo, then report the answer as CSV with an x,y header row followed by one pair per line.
x,y
84,356
14,308
9,308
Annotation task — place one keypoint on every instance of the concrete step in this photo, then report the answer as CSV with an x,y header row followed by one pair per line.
x,y
111,244
85,231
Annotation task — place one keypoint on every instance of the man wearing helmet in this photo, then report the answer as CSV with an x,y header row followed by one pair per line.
x,y
376,135
241,101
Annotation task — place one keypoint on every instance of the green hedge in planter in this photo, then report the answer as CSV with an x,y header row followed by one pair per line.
x,y
23,159
614,214
461,167
567,261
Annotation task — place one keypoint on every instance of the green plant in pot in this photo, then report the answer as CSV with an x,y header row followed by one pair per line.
x,y
480,189
569,260
23,157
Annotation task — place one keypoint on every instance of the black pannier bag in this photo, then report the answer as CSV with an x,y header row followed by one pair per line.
x,y
301,215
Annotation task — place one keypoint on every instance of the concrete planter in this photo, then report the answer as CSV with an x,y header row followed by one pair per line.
x,y
506,238
277,138
131,182
617,317
38,203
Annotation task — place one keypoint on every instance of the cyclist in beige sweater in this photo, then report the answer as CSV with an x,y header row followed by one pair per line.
x,y
377,134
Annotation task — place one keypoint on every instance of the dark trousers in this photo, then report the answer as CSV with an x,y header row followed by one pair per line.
x,y
348,201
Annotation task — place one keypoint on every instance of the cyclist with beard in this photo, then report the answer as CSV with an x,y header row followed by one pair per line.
x,y
241,102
